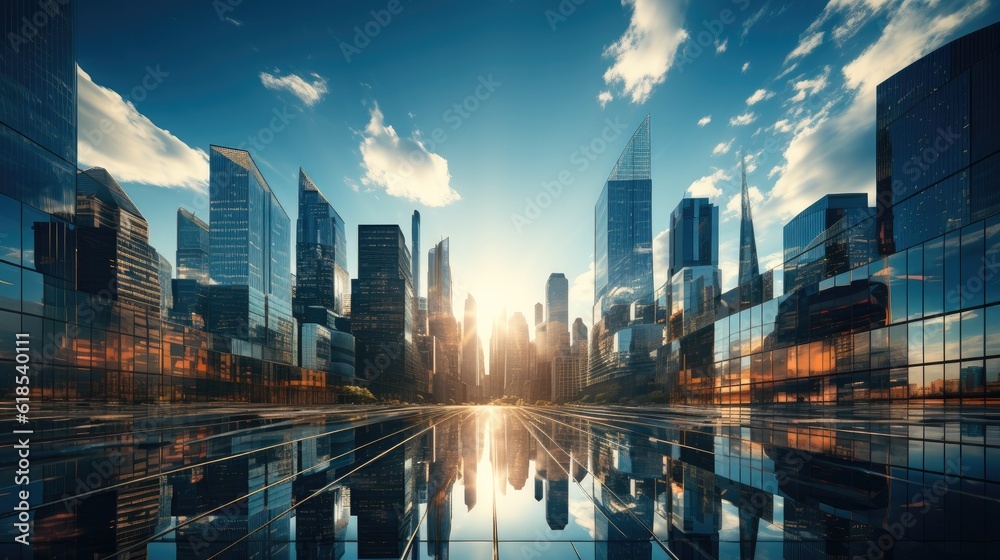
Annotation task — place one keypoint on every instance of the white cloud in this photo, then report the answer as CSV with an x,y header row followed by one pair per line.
x,y
759,95
723,147
309,93
604,98
705,120
783,126
661,257
807,44
581,293
743,120
751,21
734,208
804,88
853,14
645,52
708,186
746,66
116,136
403,166
721,47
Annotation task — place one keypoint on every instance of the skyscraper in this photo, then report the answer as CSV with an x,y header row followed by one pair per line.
x,y
192,247
623,230
419,300
250,259
695,280
439,294
623,271
190,288
320,252
470,345
382,311
518,374
498,355
556,308
114,236
749,273
165,273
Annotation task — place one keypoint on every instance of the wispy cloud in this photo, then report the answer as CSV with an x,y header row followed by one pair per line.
x,y
807,44
708,186
309,92
644,54
804,88
759,95
403,167
743,120
746,66
720,47
116,136
751,21
705,120
604,98
723,147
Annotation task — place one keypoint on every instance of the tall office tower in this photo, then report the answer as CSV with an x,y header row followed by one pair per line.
x,y
439,293
190,288
114,237
320,252
250,244
470,345
382,311
38,130
694,277
442,325
518,373
541,359
419,300
165,272
623,270
498,355
569,364
557,309
749,273
192,247
834,235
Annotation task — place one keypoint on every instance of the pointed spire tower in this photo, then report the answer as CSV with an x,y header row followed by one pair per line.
x,y
749,267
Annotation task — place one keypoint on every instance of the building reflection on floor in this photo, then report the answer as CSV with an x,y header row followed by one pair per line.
x,y
483,482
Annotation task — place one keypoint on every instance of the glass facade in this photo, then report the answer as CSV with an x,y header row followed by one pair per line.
x,y
918,321
382,311
192,247
115,237
439,290
833,235
250,256
165,273
748,280
320,251
623,264
694,235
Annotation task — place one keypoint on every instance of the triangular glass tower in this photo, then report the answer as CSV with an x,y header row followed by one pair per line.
x,y
749,277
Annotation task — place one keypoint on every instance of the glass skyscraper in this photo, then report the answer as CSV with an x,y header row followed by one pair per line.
x,y
382,311
439,294
250,258
623,271
694,280
749,280
694,234
827,238
918,318
556,308
114,235
192,247
623,230
320,252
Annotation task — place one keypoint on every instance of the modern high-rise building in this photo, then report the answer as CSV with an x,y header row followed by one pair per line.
x,y
114,236
471,375
518,344
439,291
498,355
557,307
320,252
623,272
38,144
749,271
623,230
828,238
192,247
694,235
190,288
250,299
415,252
382,312
694,280
165,272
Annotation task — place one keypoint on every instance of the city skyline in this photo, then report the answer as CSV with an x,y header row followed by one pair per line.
x,y
837,103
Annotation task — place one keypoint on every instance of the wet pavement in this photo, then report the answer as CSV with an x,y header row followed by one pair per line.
x,y
504,482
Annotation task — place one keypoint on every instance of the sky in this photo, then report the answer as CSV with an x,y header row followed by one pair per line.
x,y
500,120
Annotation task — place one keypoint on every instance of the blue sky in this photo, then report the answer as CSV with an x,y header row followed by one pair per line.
x,y
467,110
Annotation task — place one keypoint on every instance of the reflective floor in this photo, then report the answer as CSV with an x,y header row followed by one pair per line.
x,y
483,482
